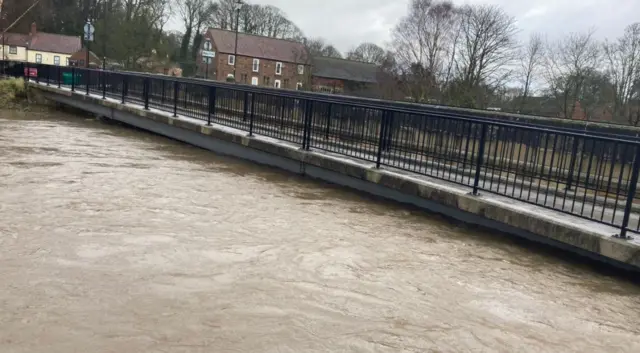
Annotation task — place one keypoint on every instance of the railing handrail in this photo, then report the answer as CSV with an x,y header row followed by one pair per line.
x,y
388,105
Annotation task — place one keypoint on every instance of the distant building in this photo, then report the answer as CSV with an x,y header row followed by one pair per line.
x,y
40,47
159,65
79,59
332,75
259,61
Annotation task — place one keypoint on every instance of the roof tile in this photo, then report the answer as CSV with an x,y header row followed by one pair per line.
x,y
344,69
16,39
259,46
55,43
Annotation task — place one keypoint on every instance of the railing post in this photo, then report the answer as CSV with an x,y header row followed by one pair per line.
x,y
88,78
176,87
246,106
48,75
631,194
480,158
59,76
104,84
574,153
251,115
212,104
124,87
73,79
145,93
383,124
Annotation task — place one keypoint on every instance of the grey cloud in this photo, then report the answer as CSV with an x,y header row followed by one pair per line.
x,y
346,23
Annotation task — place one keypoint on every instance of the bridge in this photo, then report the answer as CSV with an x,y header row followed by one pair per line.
x,y
576,189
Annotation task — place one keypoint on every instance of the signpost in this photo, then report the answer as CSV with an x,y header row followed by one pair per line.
x,y
207,54
89,30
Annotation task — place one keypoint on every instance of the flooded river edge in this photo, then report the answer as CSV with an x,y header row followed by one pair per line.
x,y
114,239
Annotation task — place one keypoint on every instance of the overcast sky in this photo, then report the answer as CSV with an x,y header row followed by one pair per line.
x,y
346,23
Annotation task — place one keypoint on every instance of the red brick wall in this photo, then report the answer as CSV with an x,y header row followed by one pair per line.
x,y
244,71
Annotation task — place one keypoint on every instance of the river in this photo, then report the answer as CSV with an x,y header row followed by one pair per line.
x,y
116,240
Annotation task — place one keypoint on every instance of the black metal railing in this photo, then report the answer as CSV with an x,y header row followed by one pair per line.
x,y
590,175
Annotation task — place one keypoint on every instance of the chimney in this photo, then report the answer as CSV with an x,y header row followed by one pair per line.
x,y
33,29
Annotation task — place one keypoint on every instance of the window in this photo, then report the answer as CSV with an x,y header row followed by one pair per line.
x,y
81,63
243,78
278,68
13,50
266,80
232,59
254,81
56,60
276,84
285,83
300,69
299,86
39,58
256,65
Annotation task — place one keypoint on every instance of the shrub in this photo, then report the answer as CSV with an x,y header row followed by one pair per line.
x,y
11,90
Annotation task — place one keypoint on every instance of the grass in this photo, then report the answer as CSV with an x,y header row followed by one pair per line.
x,y
12,90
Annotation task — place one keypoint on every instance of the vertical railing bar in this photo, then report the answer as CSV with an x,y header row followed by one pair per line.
x,y
480,156
381,137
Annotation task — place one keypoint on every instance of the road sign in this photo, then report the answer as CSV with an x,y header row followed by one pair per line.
x,y
88,28
208,54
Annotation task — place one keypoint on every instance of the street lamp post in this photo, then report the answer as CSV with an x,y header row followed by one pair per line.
x,y
238,4
104,39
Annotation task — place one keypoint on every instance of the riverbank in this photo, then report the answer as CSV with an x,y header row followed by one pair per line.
x,y
13,93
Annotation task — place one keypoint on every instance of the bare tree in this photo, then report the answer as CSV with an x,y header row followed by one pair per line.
x,y
369,53
319,47
422,44
487,50
568,64
269,21
531,58
623,68
194,15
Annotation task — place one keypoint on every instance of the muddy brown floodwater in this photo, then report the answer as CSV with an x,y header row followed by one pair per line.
x,y
115,240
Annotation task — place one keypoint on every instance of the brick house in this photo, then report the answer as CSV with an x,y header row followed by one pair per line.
x,y
260,61
333,75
